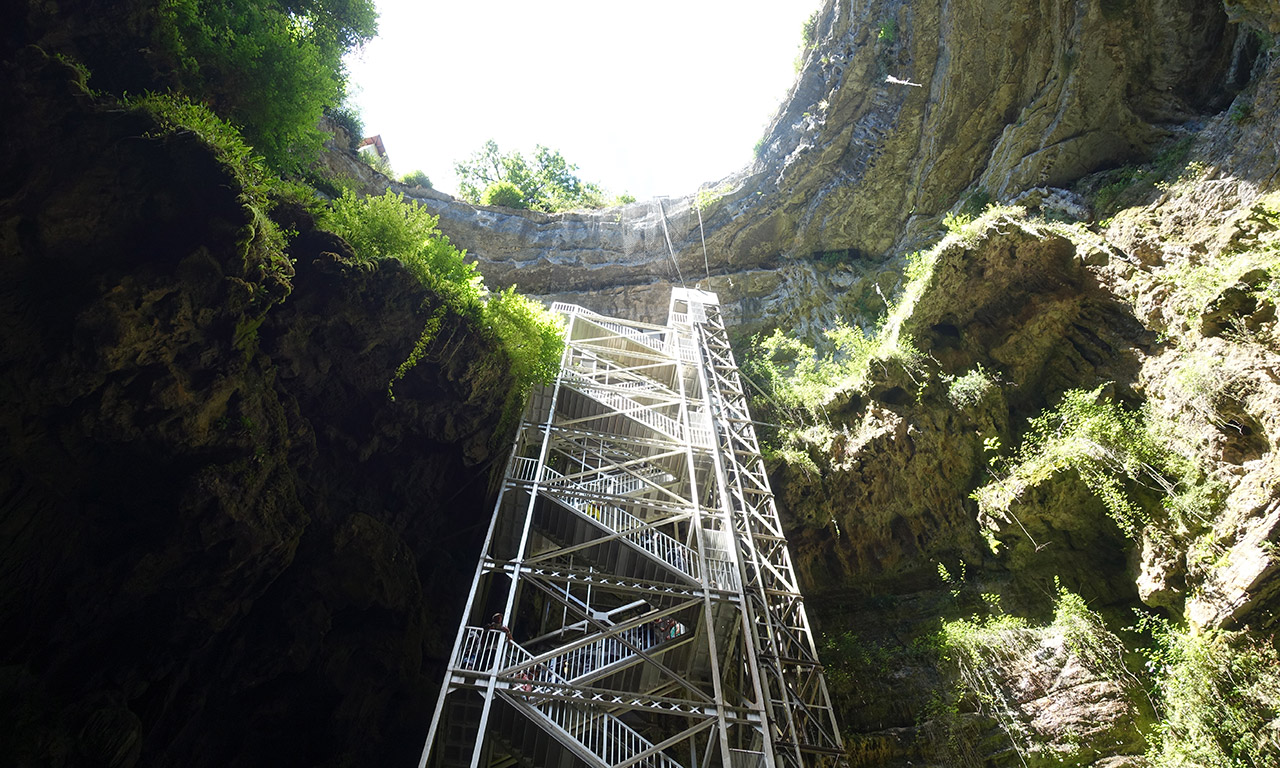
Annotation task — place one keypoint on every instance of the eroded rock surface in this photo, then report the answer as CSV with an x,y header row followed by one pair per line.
x,y
856,169
223,543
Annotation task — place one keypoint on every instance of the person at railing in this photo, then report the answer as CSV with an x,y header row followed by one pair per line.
x,y
496,625
492,643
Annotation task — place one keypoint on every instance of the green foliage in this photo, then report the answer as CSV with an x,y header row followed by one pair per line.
x,y
1193,283
532,336
348,118
967,390
258,186
390,227
982,651
82,73
379,163
977,650
888,32
1125,185
416,179
548,181
1113,452
855,665
808,38
799,380
382,227
331,184
709,196
956,221
505,194
976,203
1241,112
809,31
1087,636
429,333
178,113
623,199
966,227
1218,697
270,67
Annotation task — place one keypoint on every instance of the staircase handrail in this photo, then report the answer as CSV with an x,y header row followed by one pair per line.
x,y
582,660
632,528
647,339
600,733
625,405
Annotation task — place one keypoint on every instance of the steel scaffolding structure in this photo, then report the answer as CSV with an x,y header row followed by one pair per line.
x,y
635,603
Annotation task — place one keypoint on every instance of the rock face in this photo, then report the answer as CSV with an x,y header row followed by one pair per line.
x,y
223,544
1171,307
856,169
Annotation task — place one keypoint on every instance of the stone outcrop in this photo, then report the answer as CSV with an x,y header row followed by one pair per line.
x,y
223,543
856,169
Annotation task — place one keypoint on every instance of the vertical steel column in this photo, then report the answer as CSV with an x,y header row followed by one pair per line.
x,y
657,617
792,682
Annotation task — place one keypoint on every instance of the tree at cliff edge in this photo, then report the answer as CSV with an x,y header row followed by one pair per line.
x,y
269,67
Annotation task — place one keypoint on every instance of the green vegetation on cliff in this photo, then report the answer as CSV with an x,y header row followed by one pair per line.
x,y
279,115
1116,455
390,227
268,66
1219,698
797,383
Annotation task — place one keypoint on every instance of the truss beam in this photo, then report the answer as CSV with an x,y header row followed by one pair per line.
x,y
647,609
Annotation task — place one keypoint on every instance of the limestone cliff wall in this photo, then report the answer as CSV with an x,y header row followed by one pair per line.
x,y
222,543
1168,307
1011,96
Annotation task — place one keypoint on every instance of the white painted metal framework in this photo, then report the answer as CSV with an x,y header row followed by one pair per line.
x,y
647,610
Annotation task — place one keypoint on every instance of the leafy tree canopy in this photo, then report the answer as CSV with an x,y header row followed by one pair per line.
x,y
268,66
548,181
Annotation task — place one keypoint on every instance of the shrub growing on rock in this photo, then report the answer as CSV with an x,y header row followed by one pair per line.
x,y
505,194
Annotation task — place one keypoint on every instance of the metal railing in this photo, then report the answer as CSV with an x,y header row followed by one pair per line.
x,y
618,520
607,393
626,484
720,570
607,650
654,339
624,405
595,730
479,649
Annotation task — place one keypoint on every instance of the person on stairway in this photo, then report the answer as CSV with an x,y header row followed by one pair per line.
x,y
497,625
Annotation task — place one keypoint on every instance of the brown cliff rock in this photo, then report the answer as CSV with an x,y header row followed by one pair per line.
x,y
223,543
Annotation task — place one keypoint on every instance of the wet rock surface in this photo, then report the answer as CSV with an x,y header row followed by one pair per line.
x,y
223,543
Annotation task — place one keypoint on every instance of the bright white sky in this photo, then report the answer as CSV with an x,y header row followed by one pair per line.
x,y
649,98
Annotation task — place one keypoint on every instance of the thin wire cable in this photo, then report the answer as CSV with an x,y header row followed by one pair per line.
x,y
670,251
706,263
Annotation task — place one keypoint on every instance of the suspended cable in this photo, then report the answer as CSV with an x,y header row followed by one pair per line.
x,y
706,263
670,251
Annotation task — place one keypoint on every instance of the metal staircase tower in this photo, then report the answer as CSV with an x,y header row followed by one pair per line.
x,y
647,613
